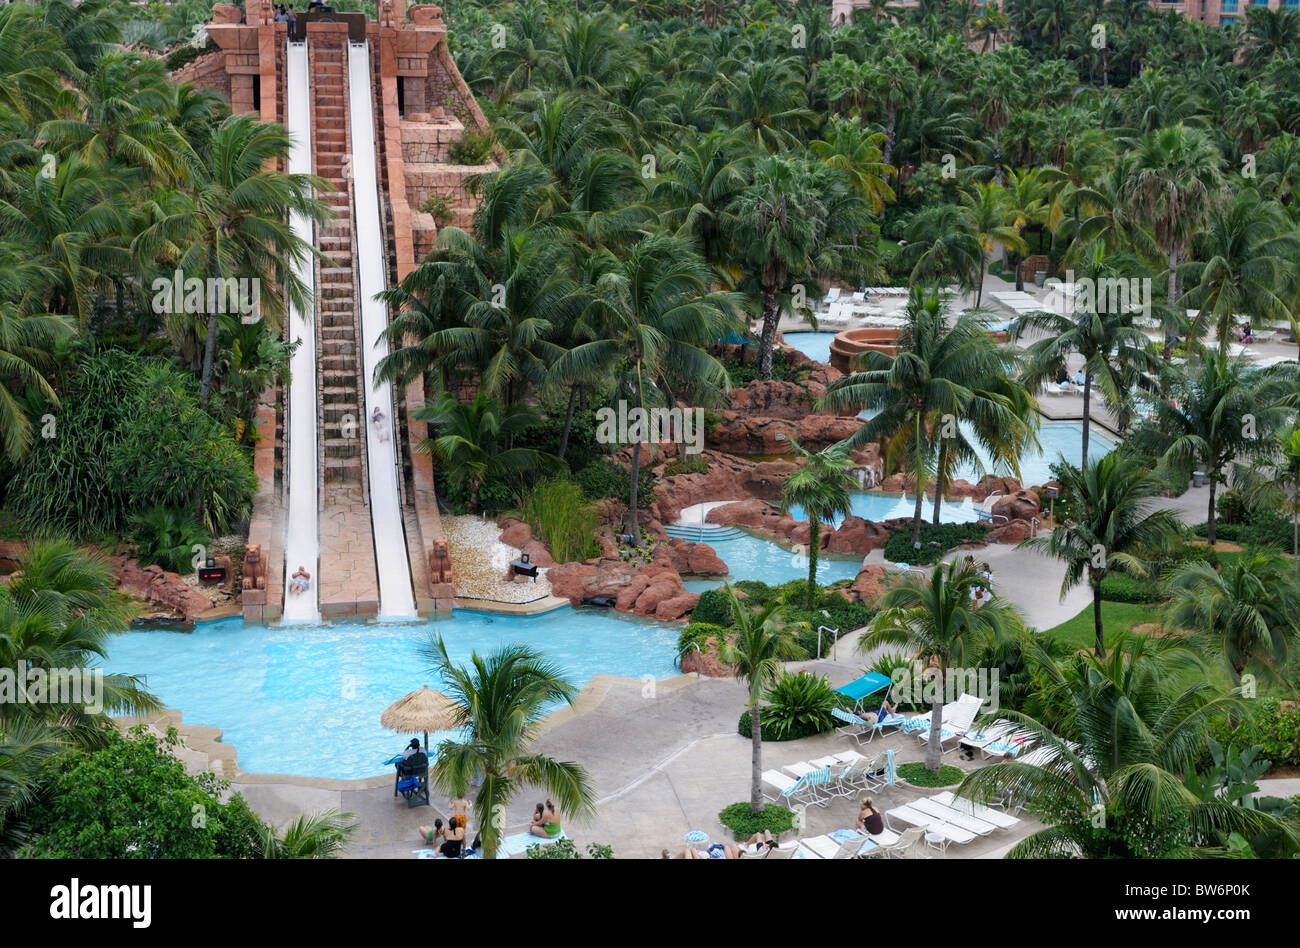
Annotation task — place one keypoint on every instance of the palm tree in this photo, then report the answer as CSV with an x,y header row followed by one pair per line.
x,y
698,186
1027,194
821,487
1274,481
761,101
1112,520
1249,611
1269,34
757,652
992,221
1221,411
781,227
319,835
1121,730
501,701
27,345
941,376
1115,352
1172,178
473,442
234,223
649,315
936,616
942,245
1248,255
496,306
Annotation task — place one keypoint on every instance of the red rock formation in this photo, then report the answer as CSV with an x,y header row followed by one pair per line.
x,y
1022,505
515,532
773,399
1014,532
744,433
867,585
698,559
654,589
154,584
856,535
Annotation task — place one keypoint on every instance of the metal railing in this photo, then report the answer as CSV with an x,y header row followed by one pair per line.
x,y
699,663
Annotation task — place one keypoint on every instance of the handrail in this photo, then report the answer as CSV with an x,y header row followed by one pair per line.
x,y
834,642
699,664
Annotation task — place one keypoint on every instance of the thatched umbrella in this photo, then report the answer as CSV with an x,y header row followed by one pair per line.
x,y
421,712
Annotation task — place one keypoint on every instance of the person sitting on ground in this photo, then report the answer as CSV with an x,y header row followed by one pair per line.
x,y
684,854
454,838
870,820
300,582
882,713
411,748
546,821
431,834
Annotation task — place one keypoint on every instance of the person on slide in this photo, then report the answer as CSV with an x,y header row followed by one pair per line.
x,y
377,419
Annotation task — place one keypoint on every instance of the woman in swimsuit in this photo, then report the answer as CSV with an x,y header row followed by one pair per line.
x,y
454,838
870,820
546,821
431,834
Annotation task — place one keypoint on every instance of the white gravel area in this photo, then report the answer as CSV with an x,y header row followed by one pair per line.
x,y
480,561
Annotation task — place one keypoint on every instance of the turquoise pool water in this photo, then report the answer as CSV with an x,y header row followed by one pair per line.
x,y
874,506
751,558
815,345
306,700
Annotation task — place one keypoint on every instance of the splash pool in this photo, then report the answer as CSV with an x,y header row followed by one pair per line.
x,y
815,345
306,700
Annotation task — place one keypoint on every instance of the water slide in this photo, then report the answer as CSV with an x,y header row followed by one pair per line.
x,y
396,600
301,541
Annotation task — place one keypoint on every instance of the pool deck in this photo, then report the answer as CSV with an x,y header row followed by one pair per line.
x,y
664,761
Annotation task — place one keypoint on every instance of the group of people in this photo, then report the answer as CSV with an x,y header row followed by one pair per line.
x,y
284,13
870,821
450,840
981,592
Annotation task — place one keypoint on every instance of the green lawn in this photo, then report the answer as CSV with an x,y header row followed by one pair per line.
x,y
1117,618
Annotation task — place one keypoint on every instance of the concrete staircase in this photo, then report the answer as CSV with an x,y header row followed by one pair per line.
x,y
348,584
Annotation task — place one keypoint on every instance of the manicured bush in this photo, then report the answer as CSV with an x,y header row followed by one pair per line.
x,y
563,519
916,774
1259,528
935,542
713,607
744,823
1118,587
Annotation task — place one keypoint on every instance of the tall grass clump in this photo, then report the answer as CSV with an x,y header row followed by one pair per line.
x,y
561,517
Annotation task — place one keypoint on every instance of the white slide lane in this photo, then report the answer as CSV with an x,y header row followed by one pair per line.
x,y
301,540
396,599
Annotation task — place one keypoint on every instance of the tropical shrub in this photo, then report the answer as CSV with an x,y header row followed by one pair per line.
x,y
713,608
935,542
798,705
568,849
604,479
167,536
1271,725
699,633
562,519
1258,528
129,436
1231,507
474,148
689,464
133,799
744,823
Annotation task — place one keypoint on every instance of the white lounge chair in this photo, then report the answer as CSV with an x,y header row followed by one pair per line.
x,y
947,814
899,847
930,824
778,780
986,813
